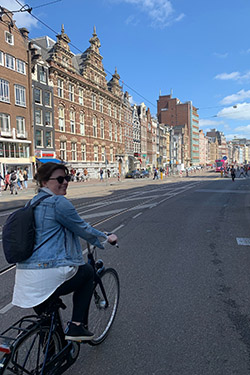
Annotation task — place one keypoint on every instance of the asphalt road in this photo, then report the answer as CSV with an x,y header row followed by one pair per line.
x,y
185,280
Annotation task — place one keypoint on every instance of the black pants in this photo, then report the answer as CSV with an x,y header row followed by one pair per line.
x,y
82,287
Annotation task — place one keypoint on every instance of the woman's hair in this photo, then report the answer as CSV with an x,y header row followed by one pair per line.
x,y
45,171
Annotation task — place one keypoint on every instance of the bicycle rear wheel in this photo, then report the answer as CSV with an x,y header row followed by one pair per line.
x,y
102,315
28,355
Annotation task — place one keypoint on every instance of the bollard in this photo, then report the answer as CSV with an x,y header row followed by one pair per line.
x,y
161,176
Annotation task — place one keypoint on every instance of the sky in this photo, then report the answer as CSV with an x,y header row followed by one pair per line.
x,y
197,50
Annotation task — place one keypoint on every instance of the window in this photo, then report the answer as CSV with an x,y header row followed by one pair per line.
x,y
60,87
9,62
5,123
63,154
93,101
115,112
102,128
1,58
103,154
71,92
109,109
120,115
20,126
47,98
39,138
120,135
9,38
48,118
38,96
83,152
110,130
81,96
95,153
72,121
111,155
38,116
20,66
42,75
101,105
20,95
48,139
82,125
61,119
4,91
116,133
73,151
94,127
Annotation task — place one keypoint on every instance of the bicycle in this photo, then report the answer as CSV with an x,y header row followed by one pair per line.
x,y
36,345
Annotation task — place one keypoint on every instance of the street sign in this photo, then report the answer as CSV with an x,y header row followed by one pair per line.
x,y
224,158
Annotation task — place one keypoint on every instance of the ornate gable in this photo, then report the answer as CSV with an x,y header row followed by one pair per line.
x,y
61,53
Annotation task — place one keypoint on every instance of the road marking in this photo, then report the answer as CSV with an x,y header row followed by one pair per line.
x,y
6,308
243,241
223,191
112,212
134,217
116,229
150,205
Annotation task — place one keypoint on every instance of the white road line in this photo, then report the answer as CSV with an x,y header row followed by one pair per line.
x,y
6,308
243,241
112,212
223,191
116,229
134,217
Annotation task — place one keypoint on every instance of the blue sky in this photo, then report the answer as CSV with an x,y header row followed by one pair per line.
x,y
198,49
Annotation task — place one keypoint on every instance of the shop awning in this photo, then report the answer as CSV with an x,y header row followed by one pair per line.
x,y
45,160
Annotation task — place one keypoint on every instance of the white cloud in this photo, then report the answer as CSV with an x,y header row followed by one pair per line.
x,y
161,12
23,19
239,132
234,76
236,98
221,55
209,122
240,112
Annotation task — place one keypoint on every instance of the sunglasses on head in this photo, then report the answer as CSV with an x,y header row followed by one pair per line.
x,y
60,179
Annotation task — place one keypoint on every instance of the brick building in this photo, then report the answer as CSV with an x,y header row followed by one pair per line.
x,y
172,112
15,99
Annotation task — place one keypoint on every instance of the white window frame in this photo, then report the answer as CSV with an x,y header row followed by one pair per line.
x,y
4,91
51,138
9,61
103,154
102,127
49,93
72,117
20,95
83,152
73,151
20,126
20,66
120,135
61,119
50,118
60,87
101,105
42,75
9,38
1,58
81,102
71,92
63,150
38,110
111,153
94,101
110,131
82,123
36,90
116,130
109,110
94,123
95,153
5,122
41,132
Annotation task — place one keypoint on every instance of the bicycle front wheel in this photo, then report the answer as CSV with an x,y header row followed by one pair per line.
x,y
29,353
102,313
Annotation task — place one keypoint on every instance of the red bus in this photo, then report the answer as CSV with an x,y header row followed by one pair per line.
x,y
220,164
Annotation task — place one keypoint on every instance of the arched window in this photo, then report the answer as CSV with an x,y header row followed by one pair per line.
x,y
94,126
61,119
72,117
102,128
82,124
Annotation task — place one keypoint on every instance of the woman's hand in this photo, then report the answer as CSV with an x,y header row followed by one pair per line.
x,y
112,239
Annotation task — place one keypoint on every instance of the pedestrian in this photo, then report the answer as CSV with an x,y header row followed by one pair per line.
x,y
85,172
25,177
233,173
7,180
57,267
242,172
13,182
1,179
108,173
101,174
21,179
118,176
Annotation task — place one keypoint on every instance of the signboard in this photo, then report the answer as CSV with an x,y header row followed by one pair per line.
x,y
224,158
48,154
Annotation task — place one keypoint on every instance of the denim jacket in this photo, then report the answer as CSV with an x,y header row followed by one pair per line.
x,y
58,222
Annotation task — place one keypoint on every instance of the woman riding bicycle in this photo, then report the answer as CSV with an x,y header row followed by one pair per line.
x,y
57,267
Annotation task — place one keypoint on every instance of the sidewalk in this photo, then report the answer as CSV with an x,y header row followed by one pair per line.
x,y
92,188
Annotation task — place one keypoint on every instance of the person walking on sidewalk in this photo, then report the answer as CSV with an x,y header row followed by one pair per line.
x,y
101,174
25,177
7,181
13,182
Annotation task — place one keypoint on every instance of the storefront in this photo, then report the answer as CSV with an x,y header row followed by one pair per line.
x,y
14,155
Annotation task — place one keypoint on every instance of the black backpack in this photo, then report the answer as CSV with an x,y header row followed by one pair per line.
x,y
18,233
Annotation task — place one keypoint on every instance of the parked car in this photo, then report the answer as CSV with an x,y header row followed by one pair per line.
x,y
144,174
133,174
